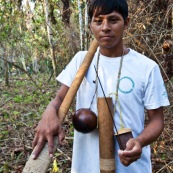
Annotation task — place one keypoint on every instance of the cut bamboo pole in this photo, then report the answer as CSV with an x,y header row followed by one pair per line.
x,y
106,136
41,164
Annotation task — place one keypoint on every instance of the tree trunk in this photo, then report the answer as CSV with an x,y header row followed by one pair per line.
x,y
50,36
23,61
86,35
66,12
81,25
6,69
170,19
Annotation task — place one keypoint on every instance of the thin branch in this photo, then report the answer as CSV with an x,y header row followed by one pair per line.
x,y
165,167
5,102
23,70
171,84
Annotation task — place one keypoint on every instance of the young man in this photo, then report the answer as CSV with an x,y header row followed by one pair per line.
x,y
140,87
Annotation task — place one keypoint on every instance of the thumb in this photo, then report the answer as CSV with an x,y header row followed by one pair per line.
x,y
129,144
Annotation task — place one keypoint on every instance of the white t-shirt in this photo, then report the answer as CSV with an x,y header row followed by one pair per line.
x,y
141,87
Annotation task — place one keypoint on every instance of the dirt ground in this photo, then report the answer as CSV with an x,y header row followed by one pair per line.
x,y
21,106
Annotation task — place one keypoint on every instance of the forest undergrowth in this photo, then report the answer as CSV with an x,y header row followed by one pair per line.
x,y
21,107
23,102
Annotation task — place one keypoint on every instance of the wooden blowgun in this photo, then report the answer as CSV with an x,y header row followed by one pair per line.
x,y
41,164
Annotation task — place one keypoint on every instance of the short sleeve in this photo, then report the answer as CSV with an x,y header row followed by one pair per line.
x,y
69,72
155,92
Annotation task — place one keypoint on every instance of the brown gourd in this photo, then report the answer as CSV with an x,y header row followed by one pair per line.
x,y
84,120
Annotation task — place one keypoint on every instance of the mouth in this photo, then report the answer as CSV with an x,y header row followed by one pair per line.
x,y
106,37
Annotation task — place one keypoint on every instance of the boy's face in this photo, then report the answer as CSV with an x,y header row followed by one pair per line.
x,y
108,29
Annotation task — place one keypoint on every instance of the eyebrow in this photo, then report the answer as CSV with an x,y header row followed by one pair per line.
x,y
109,15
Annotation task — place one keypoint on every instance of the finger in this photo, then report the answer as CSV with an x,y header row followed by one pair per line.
x,y
126,161
61,136
132,156
123,160
38,148
125,153
34,143
131,153
120,153
51,146
130,144
136,151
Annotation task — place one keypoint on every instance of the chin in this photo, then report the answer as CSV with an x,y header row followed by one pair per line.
x,y
107,46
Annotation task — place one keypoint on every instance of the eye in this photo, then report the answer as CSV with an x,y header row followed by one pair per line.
x,y
113,20
98,21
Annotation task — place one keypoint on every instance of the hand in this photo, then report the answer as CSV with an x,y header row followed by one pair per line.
x,y
48,127
131,153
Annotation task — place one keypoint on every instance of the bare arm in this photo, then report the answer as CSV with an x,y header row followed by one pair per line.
x,y
154,128
50,125
151,132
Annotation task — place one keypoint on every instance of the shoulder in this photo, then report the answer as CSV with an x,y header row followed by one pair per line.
x,y
76,61
142,61
141,66
79,56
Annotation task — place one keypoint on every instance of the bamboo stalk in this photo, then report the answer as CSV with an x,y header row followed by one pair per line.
x,y
106,136
77,81
41,164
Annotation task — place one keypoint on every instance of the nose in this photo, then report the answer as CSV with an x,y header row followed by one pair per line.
x,y
106,26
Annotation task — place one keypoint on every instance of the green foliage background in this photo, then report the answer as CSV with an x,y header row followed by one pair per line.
x,y
24,39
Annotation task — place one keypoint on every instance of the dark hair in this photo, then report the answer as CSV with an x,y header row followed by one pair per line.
x,y
101,7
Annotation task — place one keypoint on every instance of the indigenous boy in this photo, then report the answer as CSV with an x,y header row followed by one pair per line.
x,y
140,87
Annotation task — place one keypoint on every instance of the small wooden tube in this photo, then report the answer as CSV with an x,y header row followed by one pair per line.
x,y
123,136
106,136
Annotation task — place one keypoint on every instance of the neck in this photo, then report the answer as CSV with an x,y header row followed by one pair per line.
x,y
112,53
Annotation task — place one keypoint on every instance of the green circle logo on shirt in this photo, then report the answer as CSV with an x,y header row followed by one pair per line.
x,y
126,85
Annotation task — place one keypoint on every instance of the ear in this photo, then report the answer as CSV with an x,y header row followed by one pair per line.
x,y
90,28
126,23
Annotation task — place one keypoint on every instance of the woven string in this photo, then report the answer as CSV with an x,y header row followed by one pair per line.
x,y
117,86
96,79
116,93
